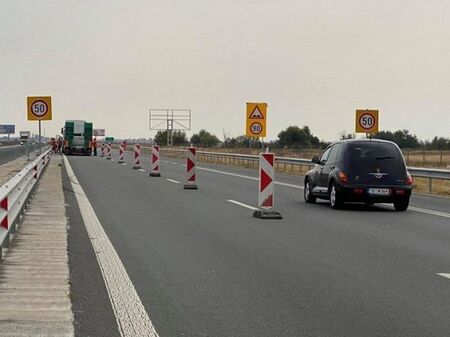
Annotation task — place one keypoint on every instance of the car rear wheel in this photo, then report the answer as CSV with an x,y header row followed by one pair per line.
x,y
401,205
309,198
335,198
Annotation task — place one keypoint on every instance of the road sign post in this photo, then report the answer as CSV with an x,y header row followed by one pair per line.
x,y
367,121
266,187
39,108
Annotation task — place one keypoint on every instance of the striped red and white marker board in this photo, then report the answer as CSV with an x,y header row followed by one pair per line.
x,y
191,178
154,162
108,151
102,146
4,207
137,156
121,153
266,180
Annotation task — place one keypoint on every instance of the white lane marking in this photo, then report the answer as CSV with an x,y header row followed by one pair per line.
x,y
112,159
446,275
243,205
142,170
131,317
173,181
248,177
124,164
174,163
425,211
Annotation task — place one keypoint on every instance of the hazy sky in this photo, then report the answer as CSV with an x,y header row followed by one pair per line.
x,y
313,62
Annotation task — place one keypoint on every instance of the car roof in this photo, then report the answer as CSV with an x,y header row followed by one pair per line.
x,y
363,140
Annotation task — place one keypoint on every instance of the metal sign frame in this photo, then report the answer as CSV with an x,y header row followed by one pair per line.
x,y
170,120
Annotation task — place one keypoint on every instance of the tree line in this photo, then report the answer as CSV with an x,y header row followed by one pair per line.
x,y
294,137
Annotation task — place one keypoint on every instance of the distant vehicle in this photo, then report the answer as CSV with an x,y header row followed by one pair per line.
x,y
368,170
77,137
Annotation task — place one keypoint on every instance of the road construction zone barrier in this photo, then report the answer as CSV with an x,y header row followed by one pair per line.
x,y
266,187
154,162
137,156
191,183
108,151
121,153
102,150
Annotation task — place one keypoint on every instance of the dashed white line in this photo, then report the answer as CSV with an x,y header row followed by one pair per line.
x,y
243,205
142,170
131,317
446,275
425,211
173,181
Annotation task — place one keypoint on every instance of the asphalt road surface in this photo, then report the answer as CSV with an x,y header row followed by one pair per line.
x,y
203,266
8,153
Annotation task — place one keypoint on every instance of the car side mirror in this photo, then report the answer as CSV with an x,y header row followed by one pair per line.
x,y
315,160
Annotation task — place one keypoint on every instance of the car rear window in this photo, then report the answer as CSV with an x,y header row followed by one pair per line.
x,y
371,155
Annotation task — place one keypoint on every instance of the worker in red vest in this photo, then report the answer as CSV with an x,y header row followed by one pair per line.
x,y
94,146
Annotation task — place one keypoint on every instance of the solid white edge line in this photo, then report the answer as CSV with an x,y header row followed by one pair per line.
x,y
173,181
243,205
446,275
425,211
131,316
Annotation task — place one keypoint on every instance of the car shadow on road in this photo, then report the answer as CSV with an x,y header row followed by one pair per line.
x,y
358,207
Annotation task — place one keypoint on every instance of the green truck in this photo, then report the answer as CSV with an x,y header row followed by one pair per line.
x,y
77,137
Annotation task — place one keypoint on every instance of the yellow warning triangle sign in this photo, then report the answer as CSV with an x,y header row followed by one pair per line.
x,y
256,114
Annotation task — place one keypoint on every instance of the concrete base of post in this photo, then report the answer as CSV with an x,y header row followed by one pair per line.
x,y
153,174
267,215
136,167
107,158
120,162
190,186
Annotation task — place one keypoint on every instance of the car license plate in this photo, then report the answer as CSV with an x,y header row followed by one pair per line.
x,y
379,191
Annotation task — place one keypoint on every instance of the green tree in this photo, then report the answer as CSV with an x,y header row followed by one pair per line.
x,y
179,137
402,138
296,137
204,139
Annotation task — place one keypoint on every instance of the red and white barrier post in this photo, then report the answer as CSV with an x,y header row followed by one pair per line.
x,y
121,153
154,162
102,146
137,157
190,169
266,187
108,151
4,207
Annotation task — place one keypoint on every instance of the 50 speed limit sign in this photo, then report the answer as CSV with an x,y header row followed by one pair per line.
x,y
39,108
366,121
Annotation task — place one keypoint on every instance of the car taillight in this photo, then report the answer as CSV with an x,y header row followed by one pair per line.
x,y
358,191
409,179
342,177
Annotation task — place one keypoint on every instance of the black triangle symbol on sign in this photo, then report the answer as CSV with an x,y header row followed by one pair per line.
x,y
256,114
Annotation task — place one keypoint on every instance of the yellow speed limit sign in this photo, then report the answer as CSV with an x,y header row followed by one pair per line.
x,y
39,108
367,121
256,118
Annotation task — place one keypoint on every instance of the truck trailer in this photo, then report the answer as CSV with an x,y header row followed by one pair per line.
x,y
77,137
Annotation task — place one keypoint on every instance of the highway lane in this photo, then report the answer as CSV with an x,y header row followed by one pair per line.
x,y
205,267
8,153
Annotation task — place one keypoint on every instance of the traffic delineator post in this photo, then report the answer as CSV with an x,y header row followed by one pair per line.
x,y
121,153
266,187
102,147
137,157
154,162
4,206
191,178
108,151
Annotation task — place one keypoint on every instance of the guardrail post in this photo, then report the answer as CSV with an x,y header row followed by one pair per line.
x,y
430,185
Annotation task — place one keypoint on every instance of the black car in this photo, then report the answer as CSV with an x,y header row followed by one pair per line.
x,y
360,170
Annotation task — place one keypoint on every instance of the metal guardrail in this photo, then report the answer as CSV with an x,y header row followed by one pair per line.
x,y
14,196
419,172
